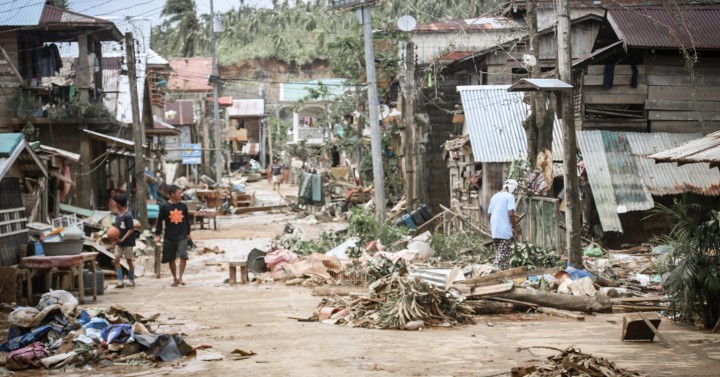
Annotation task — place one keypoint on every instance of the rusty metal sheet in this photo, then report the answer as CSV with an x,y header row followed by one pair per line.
x,y
705,149
624,178
180,112
667,26
468,24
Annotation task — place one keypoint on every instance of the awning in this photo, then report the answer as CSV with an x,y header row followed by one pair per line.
x,y
162,128
114,141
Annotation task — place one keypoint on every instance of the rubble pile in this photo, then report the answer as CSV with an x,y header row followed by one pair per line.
x,y
396,302
572,362
56,335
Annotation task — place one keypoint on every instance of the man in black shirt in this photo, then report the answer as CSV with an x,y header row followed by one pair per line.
x,y
176,219
276,174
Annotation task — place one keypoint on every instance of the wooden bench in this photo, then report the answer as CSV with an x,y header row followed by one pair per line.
x,y
232,267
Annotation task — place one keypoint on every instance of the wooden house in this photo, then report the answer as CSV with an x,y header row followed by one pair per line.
x,y
23,194
55,115
648,86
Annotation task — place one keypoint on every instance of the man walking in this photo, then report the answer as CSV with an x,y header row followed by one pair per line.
x,y
503,223
125,242
175,218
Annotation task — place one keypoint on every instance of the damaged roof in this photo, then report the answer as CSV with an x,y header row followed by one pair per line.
x,y
190,75
494,119
705,149
623,178
14,149
667,27
468,24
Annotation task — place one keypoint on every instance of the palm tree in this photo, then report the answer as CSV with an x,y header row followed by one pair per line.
x,y
693,264
186,29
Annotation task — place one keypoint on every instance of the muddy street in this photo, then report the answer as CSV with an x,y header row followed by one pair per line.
x,y
263,318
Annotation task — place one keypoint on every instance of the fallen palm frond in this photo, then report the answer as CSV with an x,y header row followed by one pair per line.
x,y
572,362
395,301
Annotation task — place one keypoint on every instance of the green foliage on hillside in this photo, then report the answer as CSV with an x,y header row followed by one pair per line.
x,y
297,32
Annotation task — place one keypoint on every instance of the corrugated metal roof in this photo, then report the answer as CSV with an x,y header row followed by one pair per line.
x,y
624,179
469,24
247,107
494,119
153,58
705,149
667,27
190,75
21,12
296,91
15,146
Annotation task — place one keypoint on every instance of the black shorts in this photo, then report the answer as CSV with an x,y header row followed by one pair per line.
x,y
173,249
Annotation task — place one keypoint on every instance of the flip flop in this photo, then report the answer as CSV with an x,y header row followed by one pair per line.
x,y
174,284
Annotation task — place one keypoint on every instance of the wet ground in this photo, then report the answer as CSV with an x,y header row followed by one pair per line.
x,y
261,318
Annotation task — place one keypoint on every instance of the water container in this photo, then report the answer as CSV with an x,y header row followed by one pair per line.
x,y
408,220
425,212
39,249
417,217
399,222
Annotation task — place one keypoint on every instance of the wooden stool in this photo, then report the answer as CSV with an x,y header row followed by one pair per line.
x,y
232,266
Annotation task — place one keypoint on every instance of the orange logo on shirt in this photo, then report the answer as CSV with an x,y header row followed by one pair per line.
x,y
176,216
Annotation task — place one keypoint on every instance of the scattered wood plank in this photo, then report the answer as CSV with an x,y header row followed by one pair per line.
x,y
427,224
637,308
488,290
560,313
242,210
512,273
654,330
621,300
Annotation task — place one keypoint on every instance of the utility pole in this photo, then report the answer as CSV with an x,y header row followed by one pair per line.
x,y
140,191
373,109
409,114
216,93
572,213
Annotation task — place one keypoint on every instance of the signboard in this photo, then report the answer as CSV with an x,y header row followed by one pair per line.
x,y
191,154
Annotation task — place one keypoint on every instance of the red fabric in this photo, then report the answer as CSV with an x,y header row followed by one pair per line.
x,y
26,357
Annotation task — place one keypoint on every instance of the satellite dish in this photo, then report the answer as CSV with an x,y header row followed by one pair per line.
x,y
406,23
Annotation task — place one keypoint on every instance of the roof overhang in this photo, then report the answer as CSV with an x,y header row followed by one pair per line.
x,y
115,141
540,85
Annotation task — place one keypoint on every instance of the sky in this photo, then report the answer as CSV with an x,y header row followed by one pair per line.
x,y
150,8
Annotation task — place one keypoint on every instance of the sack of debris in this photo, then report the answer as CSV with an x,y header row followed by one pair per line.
x,y
65,299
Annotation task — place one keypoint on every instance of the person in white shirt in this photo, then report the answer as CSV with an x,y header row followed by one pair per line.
x,y
503,223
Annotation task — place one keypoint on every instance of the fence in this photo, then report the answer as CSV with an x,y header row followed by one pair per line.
x,y
542,223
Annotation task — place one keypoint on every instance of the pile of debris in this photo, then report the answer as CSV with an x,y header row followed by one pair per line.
x,y
55,335
396,302
572,362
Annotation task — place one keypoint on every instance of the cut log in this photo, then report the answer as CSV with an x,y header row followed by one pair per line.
x,y
491,307
561,313
637,308
586,304
521,304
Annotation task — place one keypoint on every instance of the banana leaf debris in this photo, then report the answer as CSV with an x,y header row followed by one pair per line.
x,y
572,362
396,302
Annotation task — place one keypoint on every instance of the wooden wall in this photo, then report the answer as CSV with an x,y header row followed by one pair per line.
x,y
9,82
680,102
666,99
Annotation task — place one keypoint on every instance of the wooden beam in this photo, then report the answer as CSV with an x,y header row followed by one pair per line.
x,y
658,104
655,330
12,66
614,99
490,289
560,313
684,115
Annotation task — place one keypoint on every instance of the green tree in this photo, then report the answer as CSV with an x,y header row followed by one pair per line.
x,y
182,28
693,264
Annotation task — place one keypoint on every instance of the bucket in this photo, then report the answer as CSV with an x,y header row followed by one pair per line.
x,y
417,217
425,212
408,220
